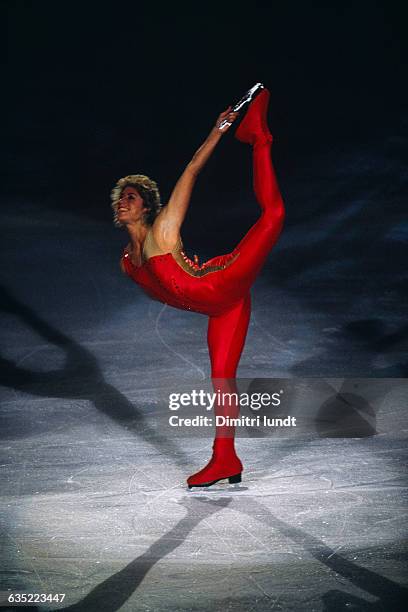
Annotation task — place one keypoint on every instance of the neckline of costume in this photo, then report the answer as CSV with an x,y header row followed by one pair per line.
x,y
146,261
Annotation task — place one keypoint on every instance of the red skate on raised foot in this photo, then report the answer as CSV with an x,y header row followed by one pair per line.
x,y
253,129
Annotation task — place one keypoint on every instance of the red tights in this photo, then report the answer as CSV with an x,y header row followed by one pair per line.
x,y
227,332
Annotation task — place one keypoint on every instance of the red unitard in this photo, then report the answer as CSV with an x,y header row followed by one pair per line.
x,y
222,289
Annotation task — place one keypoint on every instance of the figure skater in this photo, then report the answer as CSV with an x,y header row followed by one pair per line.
x,y
220,287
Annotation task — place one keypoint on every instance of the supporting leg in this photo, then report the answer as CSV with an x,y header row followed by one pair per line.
x,y
226,338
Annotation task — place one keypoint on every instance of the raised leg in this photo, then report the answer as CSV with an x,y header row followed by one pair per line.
x,y
254,248
226,338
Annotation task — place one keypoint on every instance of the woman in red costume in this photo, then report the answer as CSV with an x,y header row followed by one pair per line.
x,y
219,288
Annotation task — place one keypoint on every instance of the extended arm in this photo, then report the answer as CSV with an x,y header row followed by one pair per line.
x,y
166,228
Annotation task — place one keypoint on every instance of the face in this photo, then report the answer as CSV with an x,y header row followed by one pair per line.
x,y
130,208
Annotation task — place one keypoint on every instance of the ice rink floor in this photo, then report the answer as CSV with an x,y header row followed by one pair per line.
x,y
97,508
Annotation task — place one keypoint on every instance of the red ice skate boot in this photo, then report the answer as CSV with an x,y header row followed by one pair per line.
x,y
224,464
253,129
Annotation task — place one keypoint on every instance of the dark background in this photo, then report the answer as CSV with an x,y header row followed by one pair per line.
x,y
95,92
98,91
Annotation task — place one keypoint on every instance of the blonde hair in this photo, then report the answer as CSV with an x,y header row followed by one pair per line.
x,y
148,191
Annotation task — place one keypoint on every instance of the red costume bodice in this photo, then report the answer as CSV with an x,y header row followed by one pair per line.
x,y
202,290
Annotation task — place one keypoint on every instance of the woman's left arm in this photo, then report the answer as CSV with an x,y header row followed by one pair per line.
x,y
166,228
